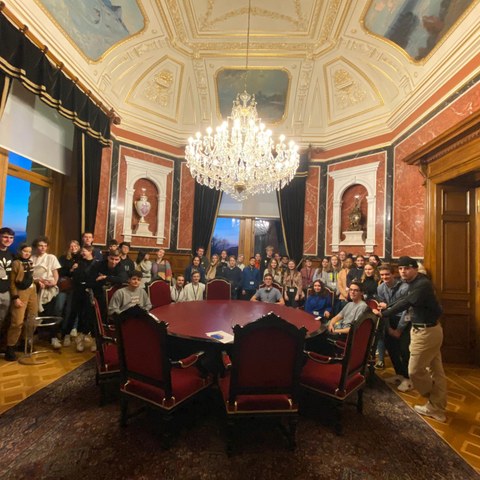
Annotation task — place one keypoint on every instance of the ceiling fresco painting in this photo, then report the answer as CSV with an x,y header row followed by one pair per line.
x,y
417,26
270,87
96,25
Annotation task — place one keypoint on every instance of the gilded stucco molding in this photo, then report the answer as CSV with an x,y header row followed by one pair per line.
x,y
304,84
159,89
348,91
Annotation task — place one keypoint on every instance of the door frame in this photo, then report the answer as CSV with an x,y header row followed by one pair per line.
x,y
454,153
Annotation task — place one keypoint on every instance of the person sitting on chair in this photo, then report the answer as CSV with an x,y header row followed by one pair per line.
x,y
319,302
196,289
268,293
177,291
340,324
130,296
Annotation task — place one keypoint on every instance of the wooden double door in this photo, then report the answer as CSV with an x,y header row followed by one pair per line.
x,y
456,266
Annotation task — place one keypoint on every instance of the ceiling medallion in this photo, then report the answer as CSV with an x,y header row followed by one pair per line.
x,y
240,158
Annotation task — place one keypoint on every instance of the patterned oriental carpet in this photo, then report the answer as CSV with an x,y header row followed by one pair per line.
x,y
61,432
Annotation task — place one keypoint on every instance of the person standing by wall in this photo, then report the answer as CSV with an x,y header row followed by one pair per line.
x,y
7,235
24,298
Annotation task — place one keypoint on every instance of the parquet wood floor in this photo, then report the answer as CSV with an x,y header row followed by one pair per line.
x,y
18,381
462,430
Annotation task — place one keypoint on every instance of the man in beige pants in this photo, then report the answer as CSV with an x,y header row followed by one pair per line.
x,y
425,367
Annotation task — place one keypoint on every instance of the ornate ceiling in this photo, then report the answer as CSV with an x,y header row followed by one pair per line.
x,y
161,63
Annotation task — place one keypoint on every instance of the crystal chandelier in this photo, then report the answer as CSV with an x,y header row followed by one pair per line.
x,y
240,158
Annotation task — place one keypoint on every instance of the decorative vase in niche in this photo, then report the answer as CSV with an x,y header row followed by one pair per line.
x,y
142,206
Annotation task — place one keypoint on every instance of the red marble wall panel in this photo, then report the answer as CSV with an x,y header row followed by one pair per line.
x,y
101,223
408,211
185,216
142,242
151,192
348,202
457,111
380,157
312,205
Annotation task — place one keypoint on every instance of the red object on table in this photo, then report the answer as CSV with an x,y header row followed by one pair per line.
x,y
193,319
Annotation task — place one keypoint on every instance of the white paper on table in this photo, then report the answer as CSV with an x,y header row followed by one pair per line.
x,y
220,336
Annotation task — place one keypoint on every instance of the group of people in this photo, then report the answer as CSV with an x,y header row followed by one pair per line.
x,y
35,282
336,292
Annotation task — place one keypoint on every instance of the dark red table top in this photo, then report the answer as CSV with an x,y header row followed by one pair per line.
x,y
193,319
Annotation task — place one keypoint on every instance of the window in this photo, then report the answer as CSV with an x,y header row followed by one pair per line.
x,y
226,236
248,227
26,198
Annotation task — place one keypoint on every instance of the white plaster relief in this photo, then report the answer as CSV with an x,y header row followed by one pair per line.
x,y
365,175
157,174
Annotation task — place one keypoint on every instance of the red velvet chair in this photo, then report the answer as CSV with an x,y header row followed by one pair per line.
x,y
110,291
218,289
339,378
148,375
106,357
159,293
262,377
372,304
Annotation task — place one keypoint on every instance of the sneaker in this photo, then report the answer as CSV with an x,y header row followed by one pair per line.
x,y
428,410
80,343
88,340
74,332
379,365
405,386
393,379
56,343
67,341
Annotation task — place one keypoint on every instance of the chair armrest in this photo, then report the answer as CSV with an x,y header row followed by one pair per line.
x,y
187,361
227,363
319,358
340,344
106,339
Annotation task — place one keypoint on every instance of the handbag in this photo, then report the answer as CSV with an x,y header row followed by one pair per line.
x,y
65,284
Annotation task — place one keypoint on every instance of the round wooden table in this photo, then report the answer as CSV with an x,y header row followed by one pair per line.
x,y
192,320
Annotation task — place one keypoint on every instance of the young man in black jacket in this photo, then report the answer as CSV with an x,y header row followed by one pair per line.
x,y
425,367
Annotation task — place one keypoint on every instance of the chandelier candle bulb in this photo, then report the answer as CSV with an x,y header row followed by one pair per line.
x,y
242,160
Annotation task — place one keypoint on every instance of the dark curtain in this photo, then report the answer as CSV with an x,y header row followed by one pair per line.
x,y
87,153
5,86
291,203
207,202
23,60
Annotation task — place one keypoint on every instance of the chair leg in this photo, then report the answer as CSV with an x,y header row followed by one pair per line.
x,y
292,432
230,428
167,431
360,401
123,411
338,418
